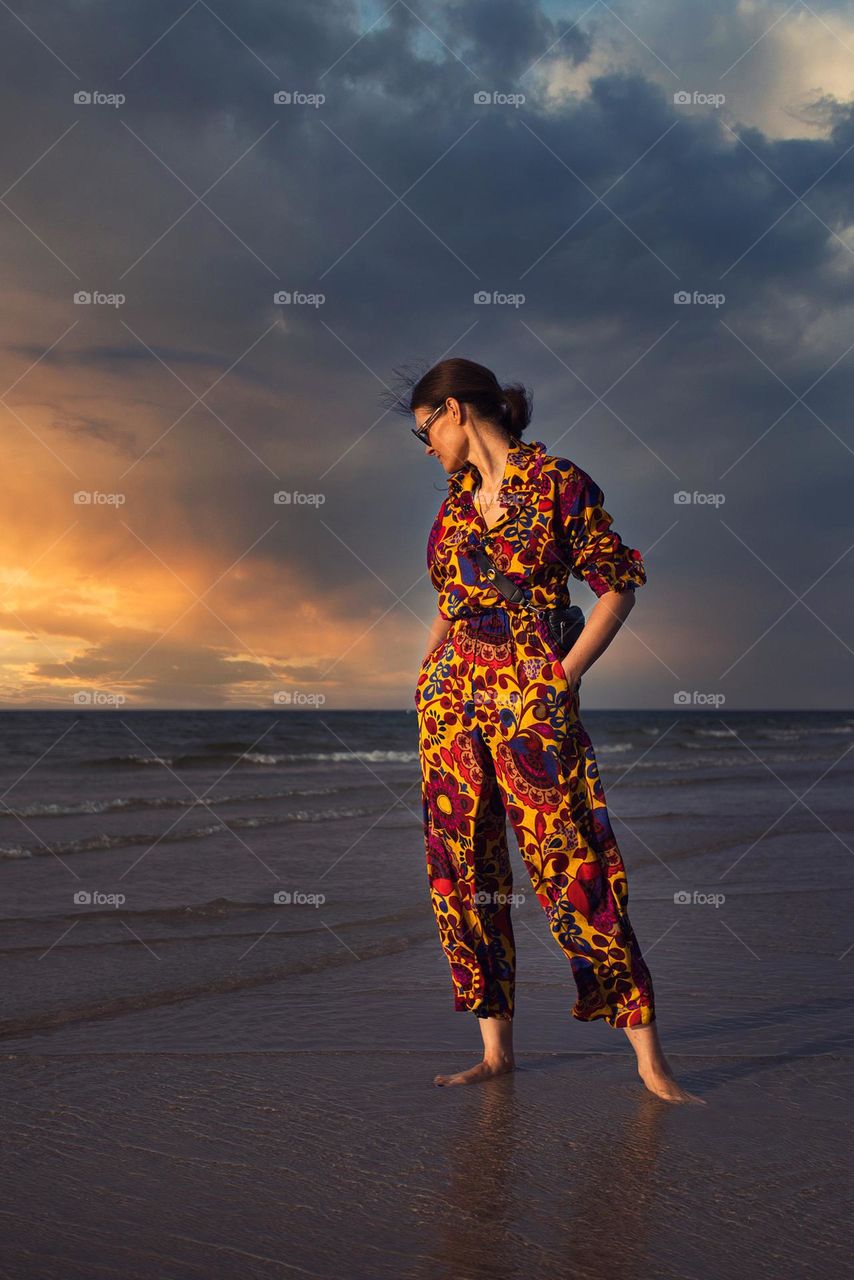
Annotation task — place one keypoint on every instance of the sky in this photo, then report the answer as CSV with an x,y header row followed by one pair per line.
x,y
210,291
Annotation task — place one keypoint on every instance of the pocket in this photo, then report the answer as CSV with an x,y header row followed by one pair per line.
x,y
434,653
431,657
561,673
552,653
573,695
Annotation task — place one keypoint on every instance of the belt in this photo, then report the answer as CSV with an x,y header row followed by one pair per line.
x,y
561,624
525,607
508,588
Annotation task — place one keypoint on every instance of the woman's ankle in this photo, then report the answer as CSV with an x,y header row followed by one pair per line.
x,y
498,1057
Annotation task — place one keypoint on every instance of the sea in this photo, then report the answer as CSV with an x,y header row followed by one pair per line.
x,y
198,881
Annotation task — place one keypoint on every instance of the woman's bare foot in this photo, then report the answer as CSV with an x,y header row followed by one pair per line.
x,y
653,1067
483,1071
497,1036
665,1086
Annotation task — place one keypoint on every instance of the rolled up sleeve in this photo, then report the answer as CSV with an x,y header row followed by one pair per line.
x,y
437,573
595,553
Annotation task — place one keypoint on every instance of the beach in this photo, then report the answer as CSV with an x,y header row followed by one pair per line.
x,y
225,1002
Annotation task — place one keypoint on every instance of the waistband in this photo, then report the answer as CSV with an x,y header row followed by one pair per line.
x,y
501,618
505,607
522,624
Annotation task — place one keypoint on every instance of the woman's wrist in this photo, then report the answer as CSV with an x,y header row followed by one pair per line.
x,y
434,648
573,677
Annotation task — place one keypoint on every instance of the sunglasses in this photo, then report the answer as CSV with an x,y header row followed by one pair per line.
x,y
423,432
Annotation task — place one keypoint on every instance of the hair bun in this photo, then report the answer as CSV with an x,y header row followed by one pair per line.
x,y
471,383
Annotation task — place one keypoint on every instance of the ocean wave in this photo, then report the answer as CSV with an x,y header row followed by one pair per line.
x,y
776,733
196,760
742,760
214,909
115,1006
102,841
130,804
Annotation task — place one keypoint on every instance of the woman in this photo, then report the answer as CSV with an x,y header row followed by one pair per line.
x,y
498,720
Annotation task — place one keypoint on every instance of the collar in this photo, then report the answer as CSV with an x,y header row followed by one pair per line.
x,y
524,462
521,473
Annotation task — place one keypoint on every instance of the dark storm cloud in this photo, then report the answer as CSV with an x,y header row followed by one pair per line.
x,y
103,357
689,207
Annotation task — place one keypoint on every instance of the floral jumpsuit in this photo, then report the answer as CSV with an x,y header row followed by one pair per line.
x,y
500,736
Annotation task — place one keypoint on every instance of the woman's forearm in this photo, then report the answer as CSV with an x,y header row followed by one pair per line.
x,y
606,617
439,628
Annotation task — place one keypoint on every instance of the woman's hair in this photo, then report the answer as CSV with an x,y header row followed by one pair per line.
x,y
508,407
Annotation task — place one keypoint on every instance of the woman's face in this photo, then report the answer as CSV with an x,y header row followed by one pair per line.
x,y
448,439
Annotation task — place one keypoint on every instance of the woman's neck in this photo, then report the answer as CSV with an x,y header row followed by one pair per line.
x,y
489,455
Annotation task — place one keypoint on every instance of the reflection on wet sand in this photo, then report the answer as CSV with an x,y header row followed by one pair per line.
x,y
548,1194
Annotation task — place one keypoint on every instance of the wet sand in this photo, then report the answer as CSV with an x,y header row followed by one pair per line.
x,y
204,1083
341,1164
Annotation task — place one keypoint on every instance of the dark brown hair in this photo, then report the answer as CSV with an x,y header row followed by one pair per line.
x,y
507,407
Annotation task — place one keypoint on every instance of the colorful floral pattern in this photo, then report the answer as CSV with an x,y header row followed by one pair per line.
x,y
500,736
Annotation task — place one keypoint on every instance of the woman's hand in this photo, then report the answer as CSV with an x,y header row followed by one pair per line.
x,y
437,636
573,678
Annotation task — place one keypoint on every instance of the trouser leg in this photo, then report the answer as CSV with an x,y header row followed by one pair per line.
x,y
493,881
468,864
546,769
